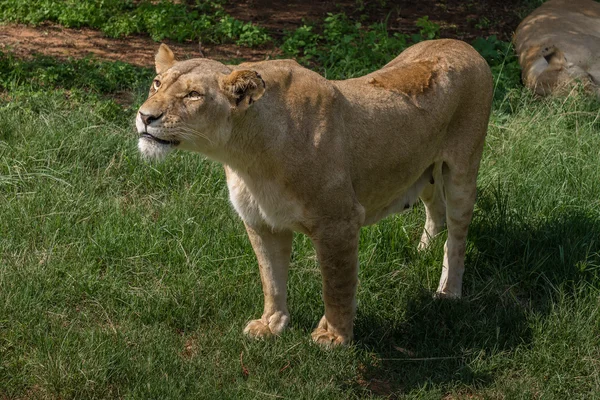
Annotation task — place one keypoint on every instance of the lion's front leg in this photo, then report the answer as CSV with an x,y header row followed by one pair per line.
x,y
337,251
273,254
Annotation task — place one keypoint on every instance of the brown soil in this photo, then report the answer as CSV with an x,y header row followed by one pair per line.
x,y
56,41
462,19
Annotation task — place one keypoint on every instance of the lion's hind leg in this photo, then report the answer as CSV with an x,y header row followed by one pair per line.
x,y
460,190
435,207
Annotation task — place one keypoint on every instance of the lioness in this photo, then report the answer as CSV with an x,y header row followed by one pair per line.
x,y
302,153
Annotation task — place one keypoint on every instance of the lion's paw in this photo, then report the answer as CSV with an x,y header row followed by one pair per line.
x,y
328,339
325,335
267,326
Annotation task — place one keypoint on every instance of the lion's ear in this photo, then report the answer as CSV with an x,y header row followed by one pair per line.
x,y
243,88
164,59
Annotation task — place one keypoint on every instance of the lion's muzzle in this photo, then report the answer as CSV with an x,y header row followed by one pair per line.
x,y
147,119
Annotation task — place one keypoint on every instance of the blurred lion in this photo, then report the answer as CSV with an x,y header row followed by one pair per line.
x,y
558,45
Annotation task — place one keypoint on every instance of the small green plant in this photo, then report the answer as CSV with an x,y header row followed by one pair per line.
x,y
243,34
492,49
301,43
429,29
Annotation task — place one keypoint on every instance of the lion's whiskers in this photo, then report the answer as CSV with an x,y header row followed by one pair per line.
x,y
188,132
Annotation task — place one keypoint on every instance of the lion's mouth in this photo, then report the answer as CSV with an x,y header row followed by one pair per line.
x,y
146,135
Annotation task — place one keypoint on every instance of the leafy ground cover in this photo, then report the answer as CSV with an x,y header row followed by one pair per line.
x,y
121,279
205,20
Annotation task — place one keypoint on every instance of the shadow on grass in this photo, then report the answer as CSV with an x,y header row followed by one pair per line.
x,y
513,271
439,343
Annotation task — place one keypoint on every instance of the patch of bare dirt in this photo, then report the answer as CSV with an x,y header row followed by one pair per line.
x,y
190,349
53,40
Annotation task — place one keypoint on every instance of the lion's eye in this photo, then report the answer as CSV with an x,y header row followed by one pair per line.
x,y
193,95
156,84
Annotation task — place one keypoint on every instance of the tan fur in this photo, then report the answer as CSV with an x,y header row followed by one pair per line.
x,y
164,59
324,158
248,82
411,79
558,45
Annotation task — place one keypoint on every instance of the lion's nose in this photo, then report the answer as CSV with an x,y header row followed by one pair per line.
x,y
147,119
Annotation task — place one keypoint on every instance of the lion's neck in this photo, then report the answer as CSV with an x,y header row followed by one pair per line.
x,y
250,146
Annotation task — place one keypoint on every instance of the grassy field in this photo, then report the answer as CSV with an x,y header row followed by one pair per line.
x,y
122,279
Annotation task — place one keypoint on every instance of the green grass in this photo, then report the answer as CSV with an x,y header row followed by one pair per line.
x,y
46,73
122,279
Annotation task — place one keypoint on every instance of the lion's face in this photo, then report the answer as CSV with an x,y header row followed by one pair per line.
x,y
185,109
190,105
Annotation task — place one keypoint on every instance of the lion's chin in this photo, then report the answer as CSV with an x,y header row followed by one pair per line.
x,y
152,150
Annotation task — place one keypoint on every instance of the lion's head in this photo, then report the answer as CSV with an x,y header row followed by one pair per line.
x,y
191,103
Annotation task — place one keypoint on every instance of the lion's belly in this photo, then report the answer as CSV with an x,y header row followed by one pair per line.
x,y
267,203
396,205
380,205
264,203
